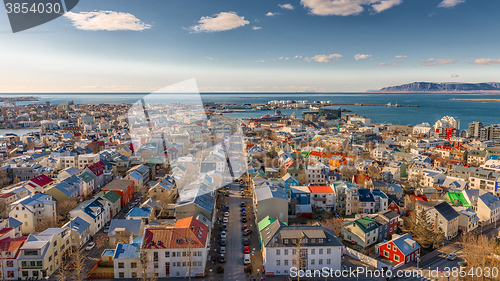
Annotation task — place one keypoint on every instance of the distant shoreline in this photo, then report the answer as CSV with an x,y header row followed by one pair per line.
x,y
439,92
490,100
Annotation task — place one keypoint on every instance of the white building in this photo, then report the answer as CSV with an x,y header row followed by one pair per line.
x,y
31,210
320,248
96,212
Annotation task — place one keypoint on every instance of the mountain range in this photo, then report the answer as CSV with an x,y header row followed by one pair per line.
x,y
442,87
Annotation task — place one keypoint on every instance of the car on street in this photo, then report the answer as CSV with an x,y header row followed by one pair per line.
x,y
222,258
244,213
106,229
242,193
222,250
242,204
243,209
90,246
225,219
452,256
244,219
246,250
247,231
223,234
246,259
223,242
226,214
245,227
246,241
224,227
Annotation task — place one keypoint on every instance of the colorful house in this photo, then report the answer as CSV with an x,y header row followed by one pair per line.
x,y
401,249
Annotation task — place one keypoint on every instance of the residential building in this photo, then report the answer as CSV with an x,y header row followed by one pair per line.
x,y
323,197
362,231
121,230
79,231
441,216
124,188
96,212
401,249
31,210
10,248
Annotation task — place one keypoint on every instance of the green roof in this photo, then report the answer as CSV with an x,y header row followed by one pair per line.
x,y
364,222
155,160
265,222
305,153
86,177
492,149
459,197
112,196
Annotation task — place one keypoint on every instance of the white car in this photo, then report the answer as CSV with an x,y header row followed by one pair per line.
x,y
226,214
222,250
106,229
452,256
90,246
223,234
225,220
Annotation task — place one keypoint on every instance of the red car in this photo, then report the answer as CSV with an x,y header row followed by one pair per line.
x,y
245,227
246,250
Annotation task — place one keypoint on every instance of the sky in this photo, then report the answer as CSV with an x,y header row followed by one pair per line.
x,y
253,46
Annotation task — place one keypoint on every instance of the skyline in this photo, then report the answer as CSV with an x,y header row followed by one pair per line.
x,y
276,46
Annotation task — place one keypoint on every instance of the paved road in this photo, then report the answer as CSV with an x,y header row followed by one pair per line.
x,y
234,268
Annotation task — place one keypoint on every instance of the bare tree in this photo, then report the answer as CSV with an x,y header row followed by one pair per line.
x,y
43,224
80,272
4,208
4,179
122,236
101,240
347,172
164,199
297,254
478,252
145,273
374,172
64,207
335,224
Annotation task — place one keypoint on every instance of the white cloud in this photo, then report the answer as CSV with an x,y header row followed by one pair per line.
x,y
434,62
486,61
389,63
347,7
219,22
454,75
360,56
280,58
106,20
297,57
256,27
287,58
450,3
209,58
400,57
324,58
271,14
286,6
261,61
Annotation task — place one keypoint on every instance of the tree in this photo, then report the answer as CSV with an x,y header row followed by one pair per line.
x,y
425,233
334,224
347,172
122,236
44,223
79,269
298,244
4,179
374,172
4,208
101,240
64,207
478,251
164,199
145,273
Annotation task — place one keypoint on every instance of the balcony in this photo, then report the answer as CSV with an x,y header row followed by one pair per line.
x,y
39,209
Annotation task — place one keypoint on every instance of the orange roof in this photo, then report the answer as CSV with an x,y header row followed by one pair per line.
x,y
320,189
168,237
12,244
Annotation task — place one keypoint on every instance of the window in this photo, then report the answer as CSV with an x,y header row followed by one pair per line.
x,y
30,252
184,263
10,274
10,263
121,265
199,263
328,251
155,256
155,265
285,262
178,263
25,274
25,216
294,262
50,258
396,257
278,252
294,251
313,251
121,274
328,261
320,251
167,254
312,262
321,240
134,274
133,265
278,262
199,253
286,252
173,254
285,241
320,261
184,254
386,254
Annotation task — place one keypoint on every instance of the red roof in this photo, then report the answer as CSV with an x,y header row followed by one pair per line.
x,y
97,168
318,154
320,189
41,180
7,195
3,231
360,179
12,244
168,237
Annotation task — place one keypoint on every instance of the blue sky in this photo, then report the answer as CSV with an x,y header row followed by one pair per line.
x,y
227,45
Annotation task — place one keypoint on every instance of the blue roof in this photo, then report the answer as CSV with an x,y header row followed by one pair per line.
x,y
94,208
127,251
139,212
136,175
72,180
379,193
14,223
78,224
365,195
67,189
37,198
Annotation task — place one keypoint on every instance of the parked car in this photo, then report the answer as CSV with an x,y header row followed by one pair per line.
x,y
226,214
243,209
223,242
222,250
106,229
242,204
245,227
244,219
224,227
242,193
247,231
222,258
246,241
246,250
244,213
90,246
223,234
225,220
246,259
452,256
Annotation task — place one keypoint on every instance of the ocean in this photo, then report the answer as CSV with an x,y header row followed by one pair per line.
x,y
432,106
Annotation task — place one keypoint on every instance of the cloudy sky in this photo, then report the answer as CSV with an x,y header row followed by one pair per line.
x,y
254,46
